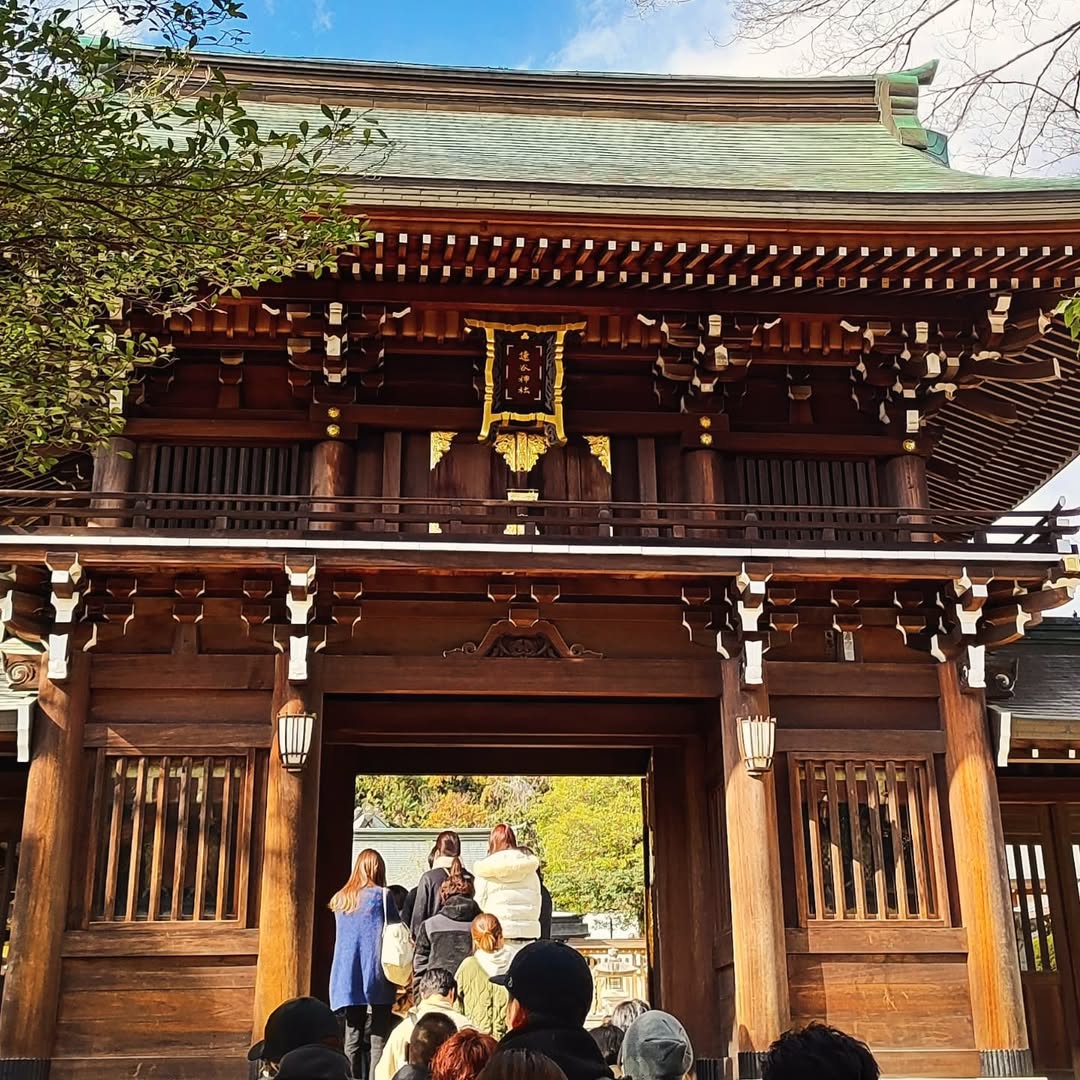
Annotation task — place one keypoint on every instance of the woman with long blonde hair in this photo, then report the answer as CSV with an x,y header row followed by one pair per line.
x,y
362,908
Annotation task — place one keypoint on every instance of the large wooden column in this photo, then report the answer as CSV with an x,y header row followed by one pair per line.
x,y
332,466
51,820
997,1002
762,1001
287,889
114,471
906,487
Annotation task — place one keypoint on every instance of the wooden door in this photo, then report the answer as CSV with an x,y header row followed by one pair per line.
x,y
1042,845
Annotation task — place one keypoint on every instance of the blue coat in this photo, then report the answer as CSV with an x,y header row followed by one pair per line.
x,y
356,975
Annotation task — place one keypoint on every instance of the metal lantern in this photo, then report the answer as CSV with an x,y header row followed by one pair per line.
x,y
294,739
757,742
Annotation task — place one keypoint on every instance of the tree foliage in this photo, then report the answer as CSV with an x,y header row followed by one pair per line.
x,y
590,833
587,830
453,802
136,181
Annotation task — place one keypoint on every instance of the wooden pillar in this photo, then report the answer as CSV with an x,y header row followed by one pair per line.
x,y
287,889
906,487
332,466
762,1001
114,471
982,877
703,473
52,816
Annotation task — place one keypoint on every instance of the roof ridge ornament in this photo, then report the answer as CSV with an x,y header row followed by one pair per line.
x,y
898,105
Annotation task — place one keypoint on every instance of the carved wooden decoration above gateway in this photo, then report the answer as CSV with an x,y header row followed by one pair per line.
x,y
523,634
539,640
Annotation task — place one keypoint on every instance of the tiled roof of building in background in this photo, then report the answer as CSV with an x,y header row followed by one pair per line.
x,y
1046,663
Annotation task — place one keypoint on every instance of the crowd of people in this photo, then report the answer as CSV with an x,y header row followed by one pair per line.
x,y
489,996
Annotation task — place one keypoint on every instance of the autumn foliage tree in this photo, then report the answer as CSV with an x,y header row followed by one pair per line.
x,y
137,182
590,833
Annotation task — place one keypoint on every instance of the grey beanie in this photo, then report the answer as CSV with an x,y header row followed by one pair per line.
x,y
656,1047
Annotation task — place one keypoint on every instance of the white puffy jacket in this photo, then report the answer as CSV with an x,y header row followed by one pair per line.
x,y
508,887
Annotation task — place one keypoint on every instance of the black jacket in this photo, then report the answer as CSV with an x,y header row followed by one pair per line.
x,y
412,1072
426,902
446,939
571,1048
547,911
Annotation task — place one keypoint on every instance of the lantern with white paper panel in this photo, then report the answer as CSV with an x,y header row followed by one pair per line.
x,y
757,742
294,739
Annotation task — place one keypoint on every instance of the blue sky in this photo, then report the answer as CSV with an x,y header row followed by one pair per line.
x,y
587,34
496,33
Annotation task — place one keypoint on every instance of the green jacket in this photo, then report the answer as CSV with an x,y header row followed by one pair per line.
x,y
484,1002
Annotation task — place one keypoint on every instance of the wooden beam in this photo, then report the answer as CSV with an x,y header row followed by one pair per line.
x,y
795,679
762,1000
52,818
558,300
290,844
469,675
822,443
997,1001
140,671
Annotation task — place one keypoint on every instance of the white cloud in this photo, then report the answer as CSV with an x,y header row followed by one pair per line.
x,y
322,18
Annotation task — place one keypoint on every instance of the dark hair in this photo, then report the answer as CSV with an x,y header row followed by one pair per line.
x,y
435,982
448,843
609,1038
429,1033
626,1012
456,883
521,1065
399,894
502,837
463,1056
819,1052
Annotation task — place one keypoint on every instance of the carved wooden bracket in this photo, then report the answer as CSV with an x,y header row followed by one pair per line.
x,y
65,574
300,604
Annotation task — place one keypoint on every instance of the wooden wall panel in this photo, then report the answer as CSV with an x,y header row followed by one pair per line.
x,y
166,707
892,1002
908,714
125,1017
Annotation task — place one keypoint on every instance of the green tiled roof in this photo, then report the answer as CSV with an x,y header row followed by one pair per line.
x,y
825,156
850,147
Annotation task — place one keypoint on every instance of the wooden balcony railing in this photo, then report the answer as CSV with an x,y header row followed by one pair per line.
x,y
647,523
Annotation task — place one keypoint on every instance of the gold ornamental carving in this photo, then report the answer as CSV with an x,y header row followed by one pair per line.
x,y
440,446
600,448
521,449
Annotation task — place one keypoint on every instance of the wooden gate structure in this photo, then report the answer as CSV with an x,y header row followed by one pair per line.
x,y
664,425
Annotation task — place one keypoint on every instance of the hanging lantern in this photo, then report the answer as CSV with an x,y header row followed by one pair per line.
x,y
757,743
294,739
